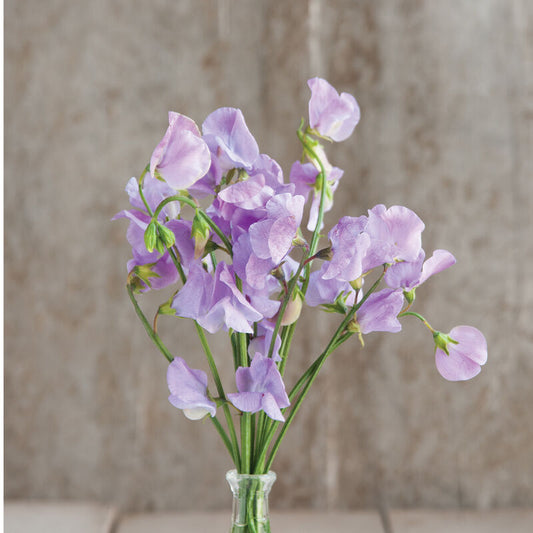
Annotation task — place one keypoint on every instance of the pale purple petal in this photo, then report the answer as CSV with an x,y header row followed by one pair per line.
x,y
188,390
439,261
271,407
324,291
332,115
228,137
405,274
380,311
182,157
249,402
465,359
194,298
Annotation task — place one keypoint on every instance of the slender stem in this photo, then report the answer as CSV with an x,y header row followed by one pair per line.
x,y
312,372
420,317
246,428
156,339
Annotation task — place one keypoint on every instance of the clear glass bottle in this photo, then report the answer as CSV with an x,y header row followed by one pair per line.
x,y
250,501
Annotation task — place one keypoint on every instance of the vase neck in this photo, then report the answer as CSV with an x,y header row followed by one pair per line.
x,y
250,501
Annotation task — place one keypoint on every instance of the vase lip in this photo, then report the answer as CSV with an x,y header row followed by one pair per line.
x,y
269,476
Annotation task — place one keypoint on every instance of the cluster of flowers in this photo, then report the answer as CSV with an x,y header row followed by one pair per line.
x,y
233,263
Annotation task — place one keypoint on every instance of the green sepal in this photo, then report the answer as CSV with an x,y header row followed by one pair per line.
x,y
339,306
139,277
150,236
165,309
410,295
442,340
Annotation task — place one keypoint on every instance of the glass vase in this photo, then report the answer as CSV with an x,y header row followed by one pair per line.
x,y
250,501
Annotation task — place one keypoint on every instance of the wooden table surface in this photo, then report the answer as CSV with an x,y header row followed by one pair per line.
x,y
69,517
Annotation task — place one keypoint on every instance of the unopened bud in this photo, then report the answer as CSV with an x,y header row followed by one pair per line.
x,y
166,235
410,295
357,284
293,309
200,232
150,236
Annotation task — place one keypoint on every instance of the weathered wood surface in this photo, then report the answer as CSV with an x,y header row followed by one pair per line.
x,y
446,91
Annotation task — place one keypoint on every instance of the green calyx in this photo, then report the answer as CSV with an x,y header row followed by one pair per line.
x,y
442,340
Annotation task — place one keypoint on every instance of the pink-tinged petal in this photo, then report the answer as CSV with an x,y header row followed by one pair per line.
x,y
455,367
243,192
281,236
472,343
332,115
182,157
439,261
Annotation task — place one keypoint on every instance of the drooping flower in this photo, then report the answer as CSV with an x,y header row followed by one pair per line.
x,y
182,156
333,116
188,390
467,352
409,275
395,233
229,138
260,387
380,312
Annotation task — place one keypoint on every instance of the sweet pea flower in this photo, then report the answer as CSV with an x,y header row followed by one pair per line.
x,y
395,233
182,157
304,178
325,291
349,245
188,390
333,116
260,387
215,302
467,351
272,237
229,138
380,312
409,275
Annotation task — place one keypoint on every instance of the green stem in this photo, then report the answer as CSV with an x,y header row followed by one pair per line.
x,y
420,317
246,426
156,339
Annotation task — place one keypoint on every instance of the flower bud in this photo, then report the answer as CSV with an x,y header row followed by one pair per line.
x,y
293,309
326,254
150,236
200,232
166,235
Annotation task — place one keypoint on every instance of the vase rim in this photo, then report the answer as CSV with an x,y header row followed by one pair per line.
x,y
233,474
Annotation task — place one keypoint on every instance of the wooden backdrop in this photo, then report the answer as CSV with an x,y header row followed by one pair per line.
x,y
445,89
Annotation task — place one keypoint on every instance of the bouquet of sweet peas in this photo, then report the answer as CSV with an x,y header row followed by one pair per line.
x,y
214,218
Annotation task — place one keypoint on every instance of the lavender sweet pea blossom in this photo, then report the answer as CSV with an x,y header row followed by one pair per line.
x,y
325,291
215,302
260,387
188,390
349,244
465,358
409,275
272,237
333,116
229,138
396,235
380,312
182,157
304,178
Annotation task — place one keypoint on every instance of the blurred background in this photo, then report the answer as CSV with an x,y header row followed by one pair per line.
x,y
446,94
